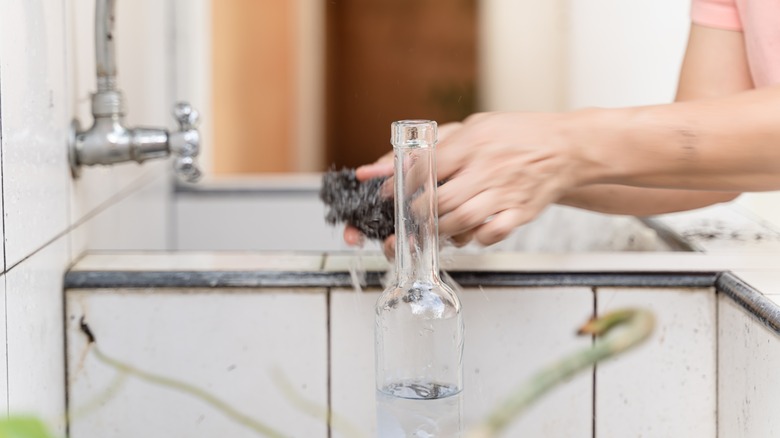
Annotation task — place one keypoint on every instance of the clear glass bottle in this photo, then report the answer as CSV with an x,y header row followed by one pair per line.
x,y
419,328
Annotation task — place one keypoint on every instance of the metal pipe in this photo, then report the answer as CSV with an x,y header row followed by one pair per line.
x,y
105,57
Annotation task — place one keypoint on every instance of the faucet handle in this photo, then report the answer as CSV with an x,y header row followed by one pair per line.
x,y
185,143
187,116
187,169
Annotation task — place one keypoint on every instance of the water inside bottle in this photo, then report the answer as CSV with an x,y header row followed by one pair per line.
x,y
419,410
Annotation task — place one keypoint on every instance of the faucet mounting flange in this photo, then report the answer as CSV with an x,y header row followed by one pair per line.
x,y
75,168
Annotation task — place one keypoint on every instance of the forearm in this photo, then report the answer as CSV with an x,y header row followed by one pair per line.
x,y
730,144
640,201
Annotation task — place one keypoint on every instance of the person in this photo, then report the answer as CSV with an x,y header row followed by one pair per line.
x,y
720,137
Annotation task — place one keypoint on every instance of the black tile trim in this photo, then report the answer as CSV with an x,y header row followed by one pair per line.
x,y
236,279
585,279
202,279
750,299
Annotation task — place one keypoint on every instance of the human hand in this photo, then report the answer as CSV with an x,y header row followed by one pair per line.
x,y
501,170
384,167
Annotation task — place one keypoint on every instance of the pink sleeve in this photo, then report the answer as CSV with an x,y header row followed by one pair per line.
x,y
722,14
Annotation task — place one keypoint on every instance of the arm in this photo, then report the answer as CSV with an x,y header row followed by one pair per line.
x,y
502,169
728,143
715,65
641,201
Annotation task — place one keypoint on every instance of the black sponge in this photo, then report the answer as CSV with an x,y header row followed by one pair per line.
x,y
357,203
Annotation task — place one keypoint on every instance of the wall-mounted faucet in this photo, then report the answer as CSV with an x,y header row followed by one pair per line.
x,y
108,140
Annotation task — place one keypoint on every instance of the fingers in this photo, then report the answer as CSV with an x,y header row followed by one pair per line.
x,y
462,239
353,237
469,214
457,145
388,247
447,129
501,225
374,170
455,192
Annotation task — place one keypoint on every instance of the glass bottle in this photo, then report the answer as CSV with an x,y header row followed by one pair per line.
x,y
419,328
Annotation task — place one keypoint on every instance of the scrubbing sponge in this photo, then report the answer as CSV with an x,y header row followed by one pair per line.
x,y
358,203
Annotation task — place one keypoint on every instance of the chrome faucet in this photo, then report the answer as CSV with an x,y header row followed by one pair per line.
x,y
108,140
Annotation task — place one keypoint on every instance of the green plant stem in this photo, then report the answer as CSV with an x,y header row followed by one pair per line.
x,y
194,391
315,410
621,329
113,387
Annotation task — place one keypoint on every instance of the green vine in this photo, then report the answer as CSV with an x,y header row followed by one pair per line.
x,y
616,333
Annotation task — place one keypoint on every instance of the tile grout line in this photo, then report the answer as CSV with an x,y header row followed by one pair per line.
x,y
120,196
5,260
595,366
329,368
323,263
7,372
2,174
67,102
717,363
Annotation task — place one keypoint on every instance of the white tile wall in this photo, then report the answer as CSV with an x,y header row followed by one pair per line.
x,y
265,221
46,74
138,218
3,355
35,333
352,357
229,344
748,363
513,333
34,124
500,352
148,98
667,386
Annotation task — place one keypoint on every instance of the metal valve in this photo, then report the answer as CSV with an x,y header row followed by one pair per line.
x,y
109,141
185,143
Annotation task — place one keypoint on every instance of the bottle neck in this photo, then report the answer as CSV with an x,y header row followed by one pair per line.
x,y
416,227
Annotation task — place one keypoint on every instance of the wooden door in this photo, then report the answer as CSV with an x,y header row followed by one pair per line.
x,y
254,80
389,60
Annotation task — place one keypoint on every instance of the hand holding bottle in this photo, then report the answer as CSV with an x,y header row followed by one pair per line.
x,y
501,170
383,167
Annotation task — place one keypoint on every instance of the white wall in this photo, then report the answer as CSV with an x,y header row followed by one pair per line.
x,y
569,54
522,55
46,75
624,53
565,54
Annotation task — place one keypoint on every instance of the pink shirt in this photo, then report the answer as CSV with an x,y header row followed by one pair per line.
x,y
759,21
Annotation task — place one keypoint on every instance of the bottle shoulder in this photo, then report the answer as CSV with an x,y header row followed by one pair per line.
x,y
427,299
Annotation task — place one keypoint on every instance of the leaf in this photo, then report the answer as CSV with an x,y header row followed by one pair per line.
x,y
23,427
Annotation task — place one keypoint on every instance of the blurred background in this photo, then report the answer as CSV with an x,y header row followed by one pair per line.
x,y
306,84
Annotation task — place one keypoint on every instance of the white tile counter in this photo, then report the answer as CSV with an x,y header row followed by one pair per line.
x,y
196,314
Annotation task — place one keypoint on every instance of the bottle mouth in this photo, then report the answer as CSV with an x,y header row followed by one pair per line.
x,y
413,134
